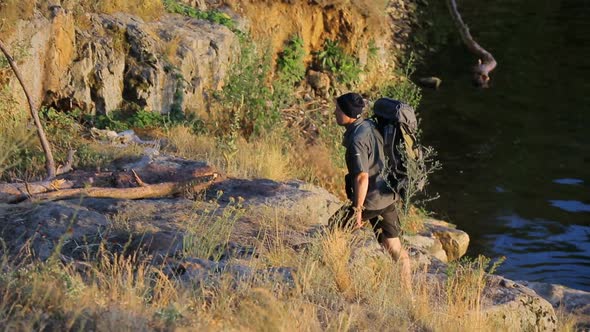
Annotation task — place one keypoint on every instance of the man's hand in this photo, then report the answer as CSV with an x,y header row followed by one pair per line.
x,y
361,186
359,218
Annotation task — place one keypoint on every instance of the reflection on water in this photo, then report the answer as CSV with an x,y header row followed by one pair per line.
x,y
516,157
569,181
571,206
533,244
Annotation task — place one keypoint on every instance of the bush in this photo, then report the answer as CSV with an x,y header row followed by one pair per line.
x,y
247,102
214,16
344,66
290,62
404,89
121,120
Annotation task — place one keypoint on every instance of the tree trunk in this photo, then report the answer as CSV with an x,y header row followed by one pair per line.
x,y
16,192
146,191
49,162
486,62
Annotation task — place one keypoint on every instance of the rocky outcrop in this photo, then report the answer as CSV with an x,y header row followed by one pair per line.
x,y
111,61
100,63
515,306
441,240
573,301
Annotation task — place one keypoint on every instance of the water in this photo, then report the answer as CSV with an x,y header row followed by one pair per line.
x,y
516,157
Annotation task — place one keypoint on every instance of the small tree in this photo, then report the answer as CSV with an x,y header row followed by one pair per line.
x,y
49,161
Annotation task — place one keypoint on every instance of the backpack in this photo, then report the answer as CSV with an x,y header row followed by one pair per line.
x,y
397,124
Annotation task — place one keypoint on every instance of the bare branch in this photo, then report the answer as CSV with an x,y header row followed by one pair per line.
x,y
138,179
68,166
486,62
49,162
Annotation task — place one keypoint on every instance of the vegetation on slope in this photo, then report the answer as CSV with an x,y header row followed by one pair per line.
x,y
260,127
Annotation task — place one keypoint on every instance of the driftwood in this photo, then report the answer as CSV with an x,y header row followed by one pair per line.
x,y
145,191
117,184
15,192
49,161
486,62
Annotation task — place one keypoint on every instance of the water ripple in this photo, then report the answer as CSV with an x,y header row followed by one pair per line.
x,y
571,206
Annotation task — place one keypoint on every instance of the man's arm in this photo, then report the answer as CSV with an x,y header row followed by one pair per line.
x,y
361,186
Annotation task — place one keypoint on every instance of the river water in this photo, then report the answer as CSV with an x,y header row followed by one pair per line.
x,y
516,157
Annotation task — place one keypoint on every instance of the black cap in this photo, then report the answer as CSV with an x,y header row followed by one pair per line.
x,y
351,104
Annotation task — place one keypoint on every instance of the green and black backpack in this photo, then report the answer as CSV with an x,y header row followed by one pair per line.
x,y
397,123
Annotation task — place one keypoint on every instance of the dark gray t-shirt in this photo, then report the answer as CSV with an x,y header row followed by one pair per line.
x,y
364,153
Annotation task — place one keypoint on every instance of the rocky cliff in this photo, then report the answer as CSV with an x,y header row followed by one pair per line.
x,y
103,62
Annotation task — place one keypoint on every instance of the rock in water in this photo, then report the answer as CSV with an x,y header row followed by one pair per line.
x,y
430,82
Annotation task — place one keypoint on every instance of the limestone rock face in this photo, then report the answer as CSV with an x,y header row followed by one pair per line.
x,y
113,60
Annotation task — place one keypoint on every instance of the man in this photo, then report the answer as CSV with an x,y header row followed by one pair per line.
x,y
365,186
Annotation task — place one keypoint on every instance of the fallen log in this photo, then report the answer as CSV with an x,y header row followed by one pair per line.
x,y
486,62
145,191
134,178
16,192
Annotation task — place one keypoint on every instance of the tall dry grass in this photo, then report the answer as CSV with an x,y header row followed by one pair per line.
x,y
339,282
273,156
13,10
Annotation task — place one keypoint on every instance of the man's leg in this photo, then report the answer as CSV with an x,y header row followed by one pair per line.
x,y
396,250
388,231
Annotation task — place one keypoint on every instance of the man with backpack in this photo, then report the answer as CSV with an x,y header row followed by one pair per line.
x,y
366,187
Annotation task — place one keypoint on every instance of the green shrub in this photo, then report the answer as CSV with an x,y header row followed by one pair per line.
x,y
248,103
110,122
147,119
344,66
404,89
291,67
122,120
214,16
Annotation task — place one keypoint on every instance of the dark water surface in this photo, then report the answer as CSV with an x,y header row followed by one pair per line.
x,y
516,157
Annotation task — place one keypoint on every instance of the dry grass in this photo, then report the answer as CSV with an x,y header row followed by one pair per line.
x,y
12,10
272,156
261,159
339,284
568,322
146,9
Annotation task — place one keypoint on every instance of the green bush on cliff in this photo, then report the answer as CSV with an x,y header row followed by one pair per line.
x,y
214,16
248,103
404,89
290,63
334,59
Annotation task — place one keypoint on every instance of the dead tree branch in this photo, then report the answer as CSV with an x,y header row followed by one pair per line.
x,y
486,62
49,161
15,192
147,191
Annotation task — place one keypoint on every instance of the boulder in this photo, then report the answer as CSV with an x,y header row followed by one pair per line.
x,y
295,196
512,306
319,81
42,229
427,244
453,241
440,239
573,301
